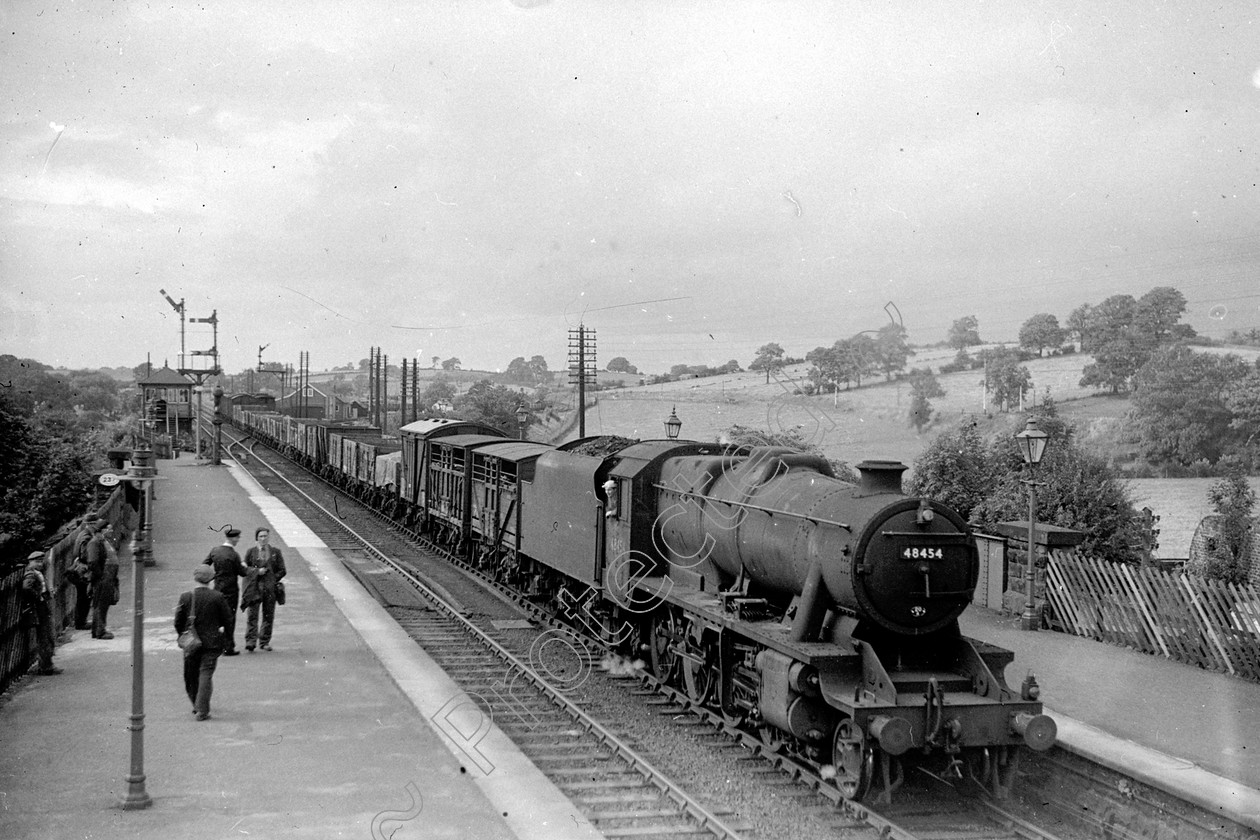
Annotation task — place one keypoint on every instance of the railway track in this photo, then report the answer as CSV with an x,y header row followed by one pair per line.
x,y
621,792
618,789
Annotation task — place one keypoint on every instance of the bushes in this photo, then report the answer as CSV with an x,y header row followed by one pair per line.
x,y
48,476
982,479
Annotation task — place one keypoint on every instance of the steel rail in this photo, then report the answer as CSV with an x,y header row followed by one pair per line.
x,y
694,809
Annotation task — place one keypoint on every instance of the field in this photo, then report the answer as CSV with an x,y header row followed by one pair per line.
x,y
872,422
868,422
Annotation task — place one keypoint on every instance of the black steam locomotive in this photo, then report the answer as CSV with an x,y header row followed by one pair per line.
x,y
819,611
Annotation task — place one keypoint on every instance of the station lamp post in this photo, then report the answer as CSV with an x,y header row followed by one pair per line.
x,y
142,473
218,424
1032,445
522,418
198,390
672,424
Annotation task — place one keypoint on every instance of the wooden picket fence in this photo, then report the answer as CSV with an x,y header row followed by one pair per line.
x,y
1190,619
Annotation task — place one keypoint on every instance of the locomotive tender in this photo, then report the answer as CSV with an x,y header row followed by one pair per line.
x,y
821,612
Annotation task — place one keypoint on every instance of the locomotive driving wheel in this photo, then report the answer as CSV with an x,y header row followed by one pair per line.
x,y
666,636
854,761
701,674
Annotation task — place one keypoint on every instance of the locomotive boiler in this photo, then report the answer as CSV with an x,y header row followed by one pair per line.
x,y
825,612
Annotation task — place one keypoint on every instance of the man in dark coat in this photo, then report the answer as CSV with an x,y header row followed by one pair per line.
x,y
209,614
84,544
37,610
103,572
228,567
266,570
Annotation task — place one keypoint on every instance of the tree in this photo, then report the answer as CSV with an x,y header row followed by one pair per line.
x,y
965,332
518,371
859,357
494,405
439,390
846,361
46,468
769,358
1242,398
451,363
1180,410
825,372
1233,500
732,366
1041,331
538,367
1078,325
982,480
1109,321
1006,378
891,349
622,365
1157,314
435,362
1115,363
923,389
954,470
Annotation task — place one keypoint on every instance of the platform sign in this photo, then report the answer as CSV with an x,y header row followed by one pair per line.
x,y
109,480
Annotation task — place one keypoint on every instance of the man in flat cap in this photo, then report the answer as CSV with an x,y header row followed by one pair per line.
x,y
37,610
228,568
207,612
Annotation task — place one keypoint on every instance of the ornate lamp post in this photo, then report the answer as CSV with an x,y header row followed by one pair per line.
x,y
672,424
198,390
143,473
1032,445
522,418
218,424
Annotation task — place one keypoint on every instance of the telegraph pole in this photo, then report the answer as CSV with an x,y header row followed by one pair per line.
x,y
581,368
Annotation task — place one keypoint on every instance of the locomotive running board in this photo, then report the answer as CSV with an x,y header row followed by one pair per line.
x,y
774,635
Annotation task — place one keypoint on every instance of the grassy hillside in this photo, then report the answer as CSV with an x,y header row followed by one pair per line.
x,y
869,422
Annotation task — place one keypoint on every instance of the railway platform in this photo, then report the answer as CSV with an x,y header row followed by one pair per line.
x,y
345,730
1191,732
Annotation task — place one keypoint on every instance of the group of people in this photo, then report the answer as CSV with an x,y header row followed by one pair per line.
x,y
211,612
97,588
93,572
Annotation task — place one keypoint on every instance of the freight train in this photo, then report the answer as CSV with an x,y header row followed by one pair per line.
x,y
818,611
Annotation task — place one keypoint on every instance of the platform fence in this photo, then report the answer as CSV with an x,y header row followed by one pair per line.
x,y
1190,619
17,639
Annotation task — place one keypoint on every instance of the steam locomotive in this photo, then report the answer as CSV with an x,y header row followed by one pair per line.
x,y
820,612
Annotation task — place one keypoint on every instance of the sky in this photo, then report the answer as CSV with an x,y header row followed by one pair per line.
x,y
689,180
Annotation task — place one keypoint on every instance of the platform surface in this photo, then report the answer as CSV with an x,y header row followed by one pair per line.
x,y
1192,731
332,734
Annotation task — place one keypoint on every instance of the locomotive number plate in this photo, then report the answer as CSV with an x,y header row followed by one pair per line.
x,y
922,553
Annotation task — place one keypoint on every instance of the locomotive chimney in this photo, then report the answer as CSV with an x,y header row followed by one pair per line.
x,y
880,477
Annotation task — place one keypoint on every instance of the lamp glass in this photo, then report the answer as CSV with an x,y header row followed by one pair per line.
x,y
1032,442
672,425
